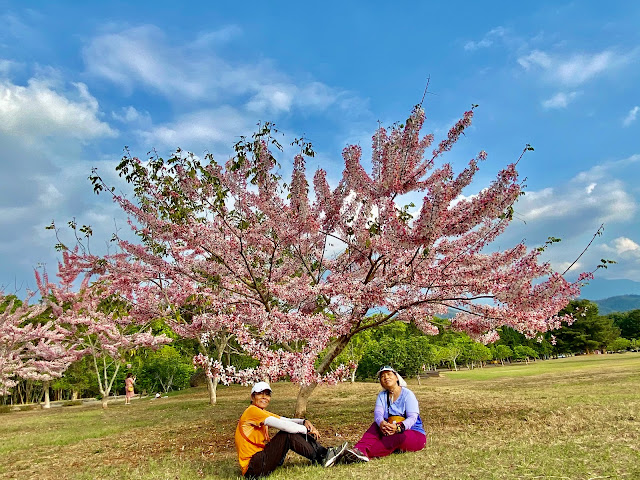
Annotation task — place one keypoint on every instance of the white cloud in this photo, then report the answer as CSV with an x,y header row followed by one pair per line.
x,y
40,110
202,128
140,56
576,202
631,116
273,98
559,100
49,194
45,125
626,252
573,211
571,266
283,97
10,214
6,66
580,68
59,193
623,245
217,37
535,59
143,57
471,45
132,115
316,95
488,40
574,69
607,170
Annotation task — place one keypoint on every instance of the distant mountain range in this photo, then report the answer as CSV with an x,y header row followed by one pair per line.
x,y
609,295
599,289
613,295
621,303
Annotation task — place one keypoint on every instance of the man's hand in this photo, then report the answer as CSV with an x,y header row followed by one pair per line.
x,y
311,430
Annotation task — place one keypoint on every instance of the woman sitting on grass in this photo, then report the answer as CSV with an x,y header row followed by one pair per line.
x,y
397,426
259,455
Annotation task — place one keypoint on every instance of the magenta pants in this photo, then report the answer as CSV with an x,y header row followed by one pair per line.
x,y
374,444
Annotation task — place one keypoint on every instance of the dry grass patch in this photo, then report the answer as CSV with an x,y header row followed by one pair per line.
x,y
577,419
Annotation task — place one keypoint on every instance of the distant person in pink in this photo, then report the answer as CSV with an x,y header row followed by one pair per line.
x,y
128,387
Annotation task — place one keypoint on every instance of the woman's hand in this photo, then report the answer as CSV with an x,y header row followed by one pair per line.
x,y
387,428
311,430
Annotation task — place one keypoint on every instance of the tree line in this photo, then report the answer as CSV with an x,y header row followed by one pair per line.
x,y
402,345
413,353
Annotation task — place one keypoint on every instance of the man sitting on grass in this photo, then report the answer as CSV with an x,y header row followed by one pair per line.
x,y
259,455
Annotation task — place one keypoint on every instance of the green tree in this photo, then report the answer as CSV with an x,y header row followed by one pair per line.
x,y
589,332
388,351
543,348
511,338
619,344
502,353
165,370
450,354
522,352
476,354
627,322
353,353
420,354
78,380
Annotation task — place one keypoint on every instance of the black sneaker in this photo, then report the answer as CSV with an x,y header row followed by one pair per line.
x,y
333,454
353,455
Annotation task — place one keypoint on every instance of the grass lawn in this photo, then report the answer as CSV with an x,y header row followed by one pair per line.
x,y
572,418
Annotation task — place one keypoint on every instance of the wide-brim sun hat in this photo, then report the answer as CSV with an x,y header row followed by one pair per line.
x,y
260,387
387,368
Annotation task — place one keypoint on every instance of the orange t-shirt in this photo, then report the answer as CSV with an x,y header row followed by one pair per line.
x,y
251,434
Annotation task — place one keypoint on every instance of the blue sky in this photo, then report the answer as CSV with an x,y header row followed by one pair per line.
x,y
80,80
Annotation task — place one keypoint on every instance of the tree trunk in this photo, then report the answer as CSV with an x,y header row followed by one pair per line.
x,y
306,390
47,400
74,394
212,386
303,399
104,400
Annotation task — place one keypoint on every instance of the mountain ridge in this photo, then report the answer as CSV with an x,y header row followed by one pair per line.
x,y
619,303
600,289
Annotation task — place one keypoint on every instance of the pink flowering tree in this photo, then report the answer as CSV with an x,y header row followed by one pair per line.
x,y
295,274
95,322
213,343
155,291
30,349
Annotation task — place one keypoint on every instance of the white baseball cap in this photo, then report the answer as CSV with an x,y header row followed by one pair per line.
x,y
387,368
260,387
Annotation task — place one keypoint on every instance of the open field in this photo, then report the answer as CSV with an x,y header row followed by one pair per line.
x,y
572,418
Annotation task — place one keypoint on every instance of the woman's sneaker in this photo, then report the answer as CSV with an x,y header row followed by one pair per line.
x,y
353,455
333,455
